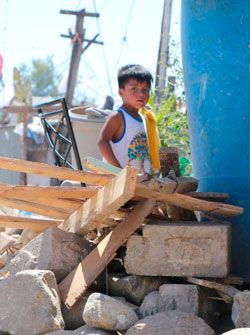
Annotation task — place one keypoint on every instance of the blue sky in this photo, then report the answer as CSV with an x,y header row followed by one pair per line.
x,y
129,29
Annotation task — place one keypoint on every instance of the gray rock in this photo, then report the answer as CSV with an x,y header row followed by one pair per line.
x,y
6,241
23,260
102,311
133,288
84,330
54,250
181,297
73,316
135,308
171,323
150,304
30,304
241,309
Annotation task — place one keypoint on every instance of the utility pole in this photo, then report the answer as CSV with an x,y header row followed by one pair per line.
x,y
77,39
162,61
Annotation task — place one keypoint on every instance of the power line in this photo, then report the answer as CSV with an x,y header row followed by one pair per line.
x,y
104,54
124,38
99,11
92,72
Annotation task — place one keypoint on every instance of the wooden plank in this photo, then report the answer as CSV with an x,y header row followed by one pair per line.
x,y
78,193
106,201
187,202
36,225
181,185
35,208
211,196
78,281
231,280
96,165
179,200
226,289
61,173
67,205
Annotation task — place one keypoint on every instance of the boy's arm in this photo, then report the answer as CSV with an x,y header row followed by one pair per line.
x,y
108,132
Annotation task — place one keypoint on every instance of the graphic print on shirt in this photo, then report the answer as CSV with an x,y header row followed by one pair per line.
x,y
138,150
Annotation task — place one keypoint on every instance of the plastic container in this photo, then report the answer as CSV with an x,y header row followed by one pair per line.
x,y
216,54
86,130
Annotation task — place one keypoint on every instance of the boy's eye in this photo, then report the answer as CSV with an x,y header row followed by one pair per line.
x,y
136,90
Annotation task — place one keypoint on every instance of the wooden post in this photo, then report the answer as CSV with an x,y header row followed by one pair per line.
x,y
77,282
161,70
77,40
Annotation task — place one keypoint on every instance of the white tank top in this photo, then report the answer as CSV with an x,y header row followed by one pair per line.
x,y
132,148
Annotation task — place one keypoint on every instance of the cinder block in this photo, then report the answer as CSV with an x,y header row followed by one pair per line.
x,y
180,249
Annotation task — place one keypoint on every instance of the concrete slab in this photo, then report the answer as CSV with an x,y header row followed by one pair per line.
x,y
180,249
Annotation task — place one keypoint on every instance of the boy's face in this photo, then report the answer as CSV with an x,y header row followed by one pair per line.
x,y
135,94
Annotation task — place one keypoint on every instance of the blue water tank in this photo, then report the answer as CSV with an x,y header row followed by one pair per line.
x,y
216,57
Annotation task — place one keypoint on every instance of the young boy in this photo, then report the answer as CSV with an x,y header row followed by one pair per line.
x,y
129,136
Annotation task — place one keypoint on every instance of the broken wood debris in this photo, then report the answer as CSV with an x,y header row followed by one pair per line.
x,y
87,209
226,290
78,281
82,210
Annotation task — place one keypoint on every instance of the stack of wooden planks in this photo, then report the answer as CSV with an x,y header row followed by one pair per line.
x,y
84,209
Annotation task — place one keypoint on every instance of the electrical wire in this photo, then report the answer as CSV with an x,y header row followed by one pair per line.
x,y
104,53
100,10
124,38
94,76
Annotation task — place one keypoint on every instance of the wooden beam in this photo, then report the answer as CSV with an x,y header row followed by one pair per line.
x,y
61,173
226,289
36,225
60,192
211,196
175,199
32,207
107,200
78,281
187,202
66,205
97,165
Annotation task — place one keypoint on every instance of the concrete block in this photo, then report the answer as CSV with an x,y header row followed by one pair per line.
x,y
180,249
54,250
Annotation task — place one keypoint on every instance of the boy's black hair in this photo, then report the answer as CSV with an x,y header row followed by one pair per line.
x,y
133,71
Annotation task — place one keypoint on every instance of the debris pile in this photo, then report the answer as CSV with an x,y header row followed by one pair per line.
x,y
94,260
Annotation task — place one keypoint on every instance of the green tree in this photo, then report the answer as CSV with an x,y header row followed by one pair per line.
x,y
171,115
43,77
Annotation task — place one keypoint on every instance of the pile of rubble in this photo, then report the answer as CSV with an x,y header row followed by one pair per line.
x,y
93,260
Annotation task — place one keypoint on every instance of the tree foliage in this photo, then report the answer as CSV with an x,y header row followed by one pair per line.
x,y
171,115
42,75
